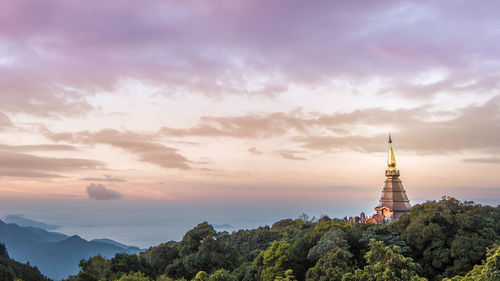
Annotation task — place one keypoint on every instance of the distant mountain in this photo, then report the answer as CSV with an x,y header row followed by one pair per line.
x,y
55,254
22,221
15,232
40,229
223,226
129,249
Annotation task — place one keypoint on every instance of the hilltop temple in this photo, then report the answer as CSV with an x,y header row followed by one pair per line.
x,y
393,203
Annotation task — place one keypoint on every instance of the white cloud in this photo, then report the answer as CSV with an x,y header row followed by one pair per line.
x,y
430,77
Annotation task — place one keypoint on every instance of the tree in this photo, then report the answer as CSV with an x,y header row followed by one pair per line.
x,y
253,271
248,242
208,254
384,263
6,273
489,270
136,276
289,226
288,276
302,243
193,238
351,233
160,256
164,278
3,251
333,239
386,234
306,218
221,275
276,260
125,263
201,276
332,266
94,269
449,237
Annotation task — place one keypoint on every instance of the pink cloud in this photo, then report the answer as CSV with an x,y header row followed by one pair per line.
x,y
16,164
144,146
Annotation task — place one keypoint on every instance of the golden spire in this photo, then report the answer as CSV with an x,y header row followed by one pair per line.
x,y
391,160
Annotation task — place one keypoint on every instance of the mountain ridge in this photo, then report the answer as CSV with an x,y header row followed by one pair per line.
x,y
23,221
56,255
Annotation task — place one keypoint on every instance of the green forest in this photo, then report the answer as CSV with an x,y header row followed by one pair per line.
x,y
438,240
448,239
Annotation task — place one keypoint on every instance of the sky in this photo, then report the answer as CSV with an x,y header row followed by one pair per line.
x,y
247,102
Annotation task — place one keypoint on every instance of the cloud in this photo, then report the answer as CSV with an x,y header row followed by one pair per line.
x,y
106,178
489,160
17,164
295,121
233,47
254,151
290,155
28,161
4,121
143,146
100,192
26,174
247,126
342,143
285,154
38,147
423,129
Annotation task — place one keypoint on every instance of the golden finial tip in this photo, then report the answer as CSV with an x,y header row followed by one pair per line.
x,y
391,160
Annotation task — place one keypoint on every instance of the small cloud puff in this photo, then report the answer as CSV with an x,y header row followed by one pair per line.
x,y
100,192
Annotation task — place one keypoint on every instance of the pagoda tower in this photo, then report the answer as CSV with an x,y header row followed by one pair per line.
x,y
393,203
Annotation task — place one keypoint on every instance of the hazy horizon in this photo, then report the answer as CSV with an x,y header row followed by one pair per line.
x,y
146,223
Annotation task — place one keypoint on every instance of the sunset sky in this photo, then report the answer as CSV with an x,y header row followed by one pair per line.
x,y
247,101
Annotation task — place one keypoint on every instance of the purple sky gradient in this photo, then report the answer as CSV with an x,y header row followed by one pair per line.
x,y
225,100
63,51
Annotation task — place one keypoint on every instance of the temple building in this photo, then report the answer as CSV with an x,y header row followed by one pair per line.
x,y
393,203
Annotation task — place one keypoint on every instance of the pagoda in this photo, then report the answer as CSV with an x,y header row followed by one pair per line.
x,y
393,203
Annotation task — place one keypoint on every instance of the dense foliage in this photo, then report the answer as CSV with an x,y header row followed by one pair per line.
x,y
449,237
445,239
11,270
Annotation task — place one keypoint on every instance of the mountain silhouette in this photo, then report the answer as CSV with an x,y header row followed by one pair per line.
x,y
22,221
55,254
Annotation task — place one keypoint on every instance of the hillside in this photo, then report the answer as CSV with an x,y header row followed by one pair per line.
x,y
55,254
11,270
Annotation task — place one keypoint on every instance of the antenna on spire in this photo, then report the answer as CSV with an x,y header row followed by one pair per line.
x,y
390,140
